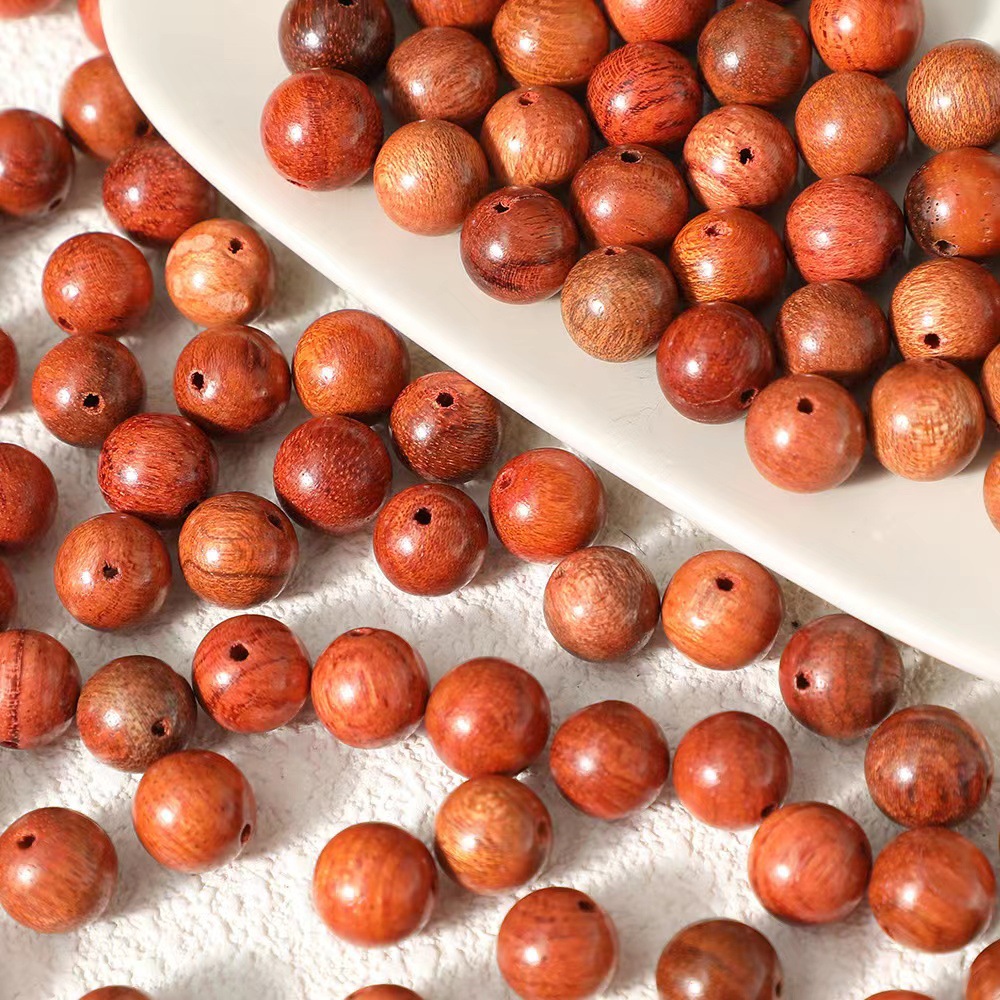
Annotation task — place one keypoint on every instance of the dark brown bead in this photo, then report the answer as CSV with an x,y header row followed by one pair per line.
x,y
722,610
810,863
374,885
932,890
9,367
488,716
28,498
492,834
557,942
112,572
984,976
991,490
58,870
116,993
135,710
153,195
8,597
36,163
355,36
39,688
332,474
384,992
472,15
610,760
93,28
659,20
876,36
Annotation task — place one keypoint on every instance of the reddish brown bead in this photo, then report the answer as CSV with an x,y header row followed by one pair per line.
x,y
374,885
472,15
355,37
116,993
112,572
58,870
135,710
24,8
932,890
8,597
989,383
722,610
984,976
991,490
39,688
810,863
659,20
876,36
28,498
384,992
321,129
899,995
8,368
36,163
492,834
93,28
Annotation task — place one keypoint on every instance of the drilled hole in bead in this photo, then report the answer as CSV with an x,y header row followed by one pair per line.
x,y
802,682
109,572
91,401
28,840
444,399
142,129
235,246
160,728
612,252
246,832
805,405
527,99
501,207
55,204
747,396
724,583
945,248
197,381
746,155
422,516
631,156
504,481
586,906
796,623
778,989
65,324
717,229
932,340
274,519
238,652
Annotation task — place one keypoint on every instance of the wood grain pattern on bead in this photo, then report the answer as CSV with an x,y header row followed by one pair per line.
x,y
384,992
991,490
28,498
876,36
984,976
659,20
36,164
355,37
472,15
9,367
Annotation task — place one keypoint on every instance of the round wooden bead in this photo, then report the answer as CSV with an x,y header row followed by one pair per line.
x,y
355,36
899,995
157,466
832,328
846,228
36,164
876,36
116,993
441,73
384,992
850,123
8,368
112,572
932,890
722,610
430,540
839,676
97,283
428,175
984,976
472,15
609,760
644,92
487,716
58,870
927,419
321,129
557,942
729,254
989,383
194,811
492,834
153,195
251,674
8,597
28,498
617,301
374,885
545,504
85,386
446,428
659,20
39,688
719,958
805,433
809,863
93,28
754,53
24,8
135,710
991,491
332,474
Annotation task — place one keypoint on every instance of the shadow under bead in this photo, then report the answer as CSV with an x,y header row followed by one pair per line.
x,y
28,498
355,37
37,165
877,36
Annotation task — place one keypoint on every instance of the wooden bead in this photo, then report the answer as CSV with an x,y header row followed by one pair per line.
x,y
428,176
899,995
8,597
557,942
850,123
832,328
722,610
876,36
28,498
93,28
157,466
492,834
446,428
251,674
809,863
116,993
36,164
719,958
355,36
332,474
39,688
754,53
989,383
194,811
984,976
488,716
846,228
24,8
645,92
609,760
839,676
729,254
321,129
659,20
441,73
545,504
927,419
135,710
384,992
86,386
58,870
713,360
153,195
8,367
112,572
991,490
374,885
430,540
932,890
472,15
231,380
629,195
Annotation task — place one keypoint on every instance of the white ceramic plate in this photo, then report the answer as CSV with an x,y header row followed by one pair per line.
x,y
920,561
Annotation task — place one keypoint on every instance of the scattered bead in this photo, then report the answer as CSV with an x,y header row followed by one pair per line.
x,y
36,164
472,15
876,36
659,20
991,490
355,37
984,976
28,498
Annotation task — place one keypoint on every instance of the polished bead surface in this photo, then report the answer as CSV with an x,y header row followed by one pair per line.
x,y
991,491
9,367
989,383
472,15
28,498
24,8
659,20
876,36
8,597
384,992
36,163
93,28
899,995
116,993
984,976
355,36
